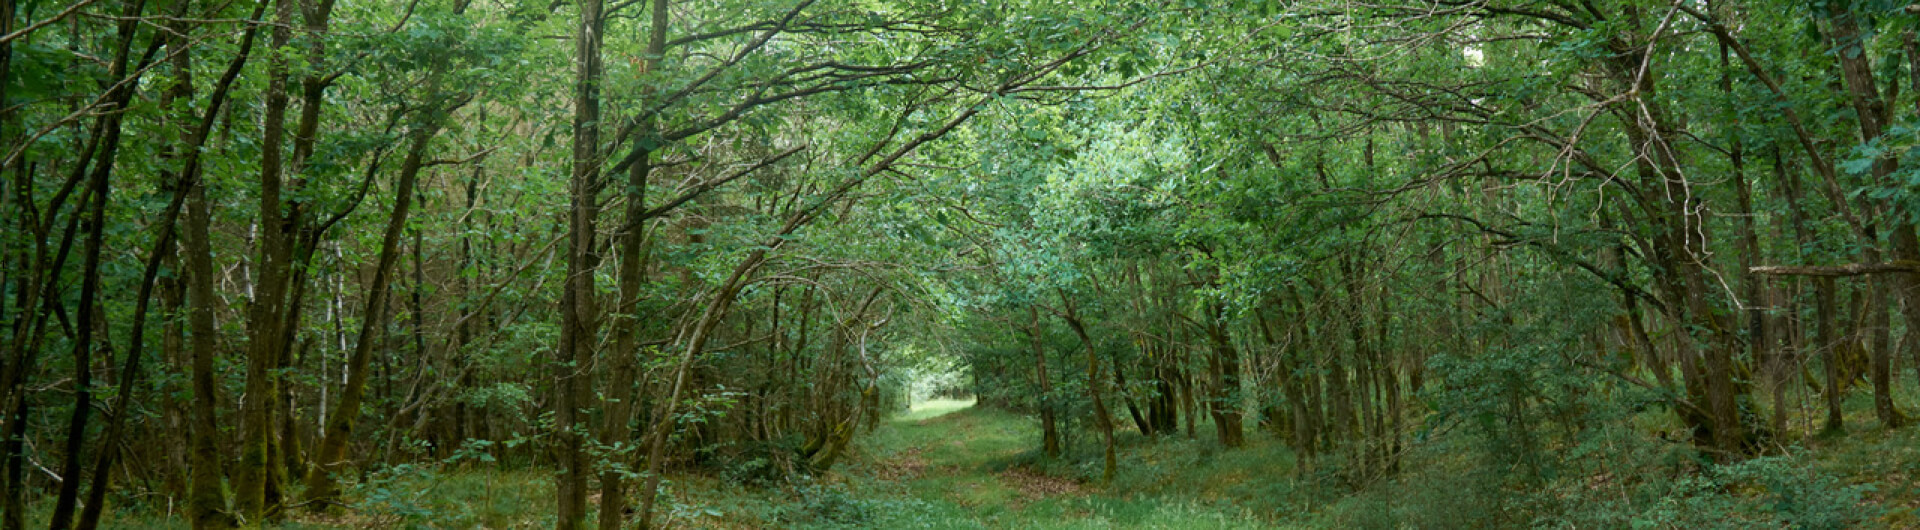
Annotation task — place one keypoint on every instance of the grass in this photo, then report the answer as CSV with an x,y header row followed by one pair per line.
x,y
932,408
1887,462
407,497
946,464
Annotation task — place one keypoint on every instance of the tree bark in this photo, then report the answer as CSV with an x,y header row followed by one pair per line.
x,y
1095,388
206,500
330,459
632,276
1224,369
267,313
1049,427
1824,338
1872,114
85,336
579,319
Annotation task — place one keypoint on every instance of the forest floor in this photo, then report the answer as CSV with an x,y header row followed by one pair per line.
x,y
948,465
942,465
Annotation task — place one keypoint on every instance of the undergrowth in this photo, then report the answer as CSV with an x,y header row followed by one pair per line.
x,y
945,466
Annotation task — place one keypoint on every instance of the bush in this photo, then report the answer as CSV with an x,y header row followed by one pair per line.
x,y
1769,492
761,464
824,505
393,495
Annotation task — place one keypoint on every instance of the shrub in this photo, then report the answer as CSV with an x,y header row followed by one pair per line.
x,y
761,464
824,505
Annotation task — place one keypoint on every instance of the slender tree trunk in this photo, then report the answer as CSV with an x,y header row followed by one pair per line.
x,y
8,10
697,338
1095,389
266,314
578,315
1224,367
1825,340
1906,242
207,501
622,374
463,329
1873,113
174,421
38,304
15,516
1049,427
1759,334
300,239
85,335
330,459
84,338
1120,385
130,375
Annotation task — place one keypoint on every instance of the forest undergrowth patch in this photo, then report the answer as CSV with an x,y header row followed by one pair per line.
x,y
981,471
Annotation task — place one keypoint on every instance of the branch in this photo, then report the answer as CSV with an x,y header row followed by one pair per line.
x,y
1618,281
1850,269
707,186
459,161
62,15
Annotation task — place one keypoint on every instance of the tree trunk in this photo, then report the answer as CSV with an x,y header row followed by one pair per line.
x,y
1872,113
266,314
1224,369
1120,384
1101,417
1825,340
207,503
622,374
330,459
578,311
85,335
1049,428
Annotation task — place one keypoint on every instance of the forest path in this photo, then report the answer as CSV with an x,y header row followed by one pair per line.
x,y
957,466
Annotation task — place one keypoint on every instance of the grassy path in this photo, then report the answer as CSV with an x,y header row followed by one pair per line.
x,y
944,465
947,465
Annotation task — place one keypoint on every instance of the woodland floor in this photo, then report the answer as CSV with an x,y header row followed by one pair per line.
x,y
953,466
949,465
943,465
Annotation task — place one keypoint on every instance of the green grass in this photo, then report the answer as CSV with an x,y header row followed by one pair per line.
x,y
945,465
931,408
407,497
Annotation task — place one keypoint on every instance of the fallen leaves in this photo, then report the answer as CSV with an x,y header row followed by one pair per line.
x,y
908,465
1033,485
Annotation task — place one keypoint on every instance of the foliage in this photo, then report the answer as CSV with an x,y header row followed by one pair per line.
x,y
1431,264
